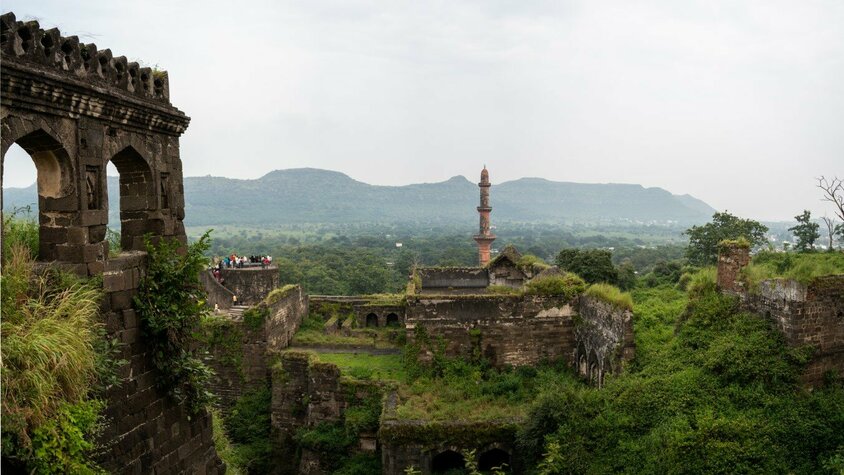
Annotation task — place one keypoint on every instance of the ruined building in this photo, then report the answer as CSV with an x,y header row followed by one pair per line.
x,y
74,108
810,313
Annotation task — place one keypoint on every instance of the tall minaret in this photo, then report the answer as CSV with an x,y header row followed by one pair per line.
x,y
484,238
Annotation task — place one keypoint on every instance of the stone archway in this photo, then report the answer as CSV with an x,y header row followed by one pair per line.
x,y
57,195
393,320
371,320
137,198
494,458
447,461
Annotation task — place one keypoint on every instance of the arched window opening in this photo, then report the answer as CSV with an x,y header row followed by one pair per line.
x,y
372,320
43,195
20,201
448,462
137,198
494,458
392,320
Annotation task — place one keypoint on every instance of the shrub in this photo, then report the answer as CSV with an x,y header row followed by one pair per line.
x,y
702,281
532,263
64,443
248,427
171,303
277,294
611,295
50,365
567,285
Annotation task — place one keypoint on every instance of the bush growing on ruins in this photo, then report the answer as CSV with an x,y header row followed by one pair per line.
x,y
171,303
802,267
277,294
53,364
611,295
531,263
567,285
716,392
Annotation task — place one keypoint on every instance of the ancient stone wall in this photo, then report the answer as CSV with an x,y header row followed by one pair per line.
x,y
507,330
250,284
604,335
74,108
146,432
364,312
241,350
218,295
306,394
731,259
807,314
453,279
428,446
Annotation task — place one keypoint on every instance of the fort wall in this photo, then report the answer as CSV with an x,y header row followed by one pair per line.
x,y
805,313
74,108
241,351
604,337
250,284
507,330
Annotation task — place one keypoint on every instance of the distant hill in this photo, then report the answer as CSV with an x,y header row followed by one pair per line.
x,y
307,195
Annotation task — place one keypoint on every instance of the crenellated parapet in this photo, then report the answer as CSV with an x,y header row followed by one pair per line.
x,y
46,72
27,42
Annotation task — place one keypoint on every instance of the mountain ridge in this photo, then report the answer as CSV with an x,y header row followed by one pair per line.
x,y
313,195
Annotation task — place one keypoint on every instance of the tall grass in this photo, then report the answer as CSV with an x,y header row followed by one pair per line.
x,y
611,295
802,267
49,331
20,228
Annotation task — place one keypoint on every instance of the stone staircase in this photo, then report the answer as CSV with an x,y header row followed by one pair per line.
x,y
236,311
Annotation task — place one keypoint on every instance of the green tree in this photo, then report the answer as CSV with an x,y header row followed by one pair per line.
x,y
703,240
805,231
626,275
592,265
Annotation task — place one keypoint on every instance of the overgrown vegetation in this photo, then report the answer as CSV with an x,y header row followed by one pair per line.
x,y
612,295
312,333
171,303
55,361
704,240
802,267
248,430
713,390
564,284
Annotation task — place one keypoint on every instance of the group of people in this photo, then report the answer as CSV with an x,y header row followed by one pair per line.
x,y
239,262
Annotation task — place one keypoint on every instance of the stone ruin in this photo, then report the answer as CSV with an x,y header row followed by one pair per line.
x,y
74,108
805,313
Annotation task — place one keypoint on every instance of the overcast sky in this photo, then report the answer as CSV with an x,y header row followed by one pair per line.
x,y
740,104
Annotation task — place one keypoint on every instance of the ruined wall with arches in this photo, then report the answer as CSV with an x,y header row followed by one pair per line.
x,y
604,336
75,108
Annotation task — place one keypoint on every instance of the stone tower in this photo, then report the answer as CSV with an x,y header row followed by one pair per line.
x,y
484,237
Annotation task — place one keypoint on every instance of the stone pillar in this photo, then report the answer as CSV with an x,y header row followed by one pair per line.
x,y
732,257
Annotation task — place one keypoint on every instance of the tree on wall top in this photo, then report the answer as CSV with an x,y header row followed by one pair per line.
x,y
703,240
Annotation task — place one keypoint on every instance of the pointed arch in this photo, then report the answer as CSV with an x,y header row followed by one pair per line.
x,y
137,197
58,201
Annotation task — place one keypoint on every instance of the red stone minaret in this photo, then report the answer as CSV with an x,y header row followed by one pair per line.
x,y
484,237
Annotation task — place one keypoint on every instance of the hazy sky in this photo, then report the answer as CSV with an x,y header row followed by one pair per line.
x,y
740,104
